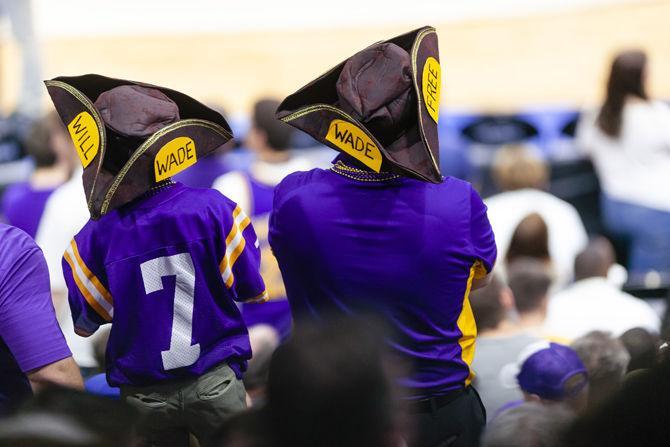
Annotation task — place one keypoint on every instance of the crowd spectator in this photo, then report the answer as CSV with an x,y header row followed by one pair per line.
x,y
65,212
270,141
530,240
523,176
333,386
50,149
61,417
642,346
264,340
636,415
531,424
606,361
530,282
628,139
550,373
33,352
593,303
500,340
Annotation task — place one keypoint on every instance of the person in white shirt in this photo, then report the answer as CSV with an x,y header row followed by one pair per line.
x,y
64,214
500,340
628,139
522,175
270,141
592,303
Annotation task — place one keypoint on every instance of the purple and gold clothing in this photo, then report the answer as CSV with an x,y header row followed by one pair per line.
x,y
276,312
22,206
165,270
29,334
352,241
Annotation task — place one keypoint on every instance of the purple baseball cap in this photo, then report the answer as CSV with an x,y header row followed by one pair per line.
x,y
550,370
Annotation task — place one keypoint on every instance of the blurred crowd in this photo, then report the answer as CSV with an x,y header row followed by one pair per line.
x,y
568,353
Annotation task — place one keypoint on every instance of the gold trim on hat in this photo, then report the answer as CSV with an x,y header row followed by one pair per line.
x,y
415,50
101,128
148,143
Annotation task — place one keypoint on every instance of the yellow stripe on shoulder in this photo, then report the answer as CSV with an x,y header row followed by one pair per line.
x,y
90,275
90,299
235,244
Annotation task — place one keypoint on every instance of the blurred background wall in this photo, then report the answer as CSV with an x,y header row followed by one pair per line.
x,y
497,55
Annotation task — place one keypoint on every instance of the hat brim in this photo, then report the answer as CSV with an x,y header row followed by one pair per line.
x,y
85,127
314,110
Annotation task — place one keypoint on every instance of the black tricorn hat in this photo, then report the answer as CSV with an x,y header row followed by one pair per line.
x,y
130,135
380,106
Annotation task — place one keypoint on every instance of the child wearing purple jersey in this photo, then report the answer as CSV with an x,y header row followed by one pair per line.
x,y
383,232
162,262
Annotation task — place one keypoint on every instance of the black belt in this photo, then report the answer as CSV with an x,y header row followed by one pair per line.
x,y
433,404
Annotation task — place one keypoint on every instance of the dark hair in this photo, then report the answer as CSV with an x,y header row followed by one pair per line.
x,y
529,240
606,361
529,424
642,346
595,260
486,305
329,386
529,281
637,414
278,133
110,422
38,143
626,78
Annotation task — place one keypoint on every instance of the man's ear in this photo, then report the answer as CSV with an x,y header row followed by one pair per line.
x,y
507,299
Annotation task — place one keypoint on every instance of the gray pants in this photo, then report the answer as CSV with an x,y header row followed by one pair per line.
x,y
172,410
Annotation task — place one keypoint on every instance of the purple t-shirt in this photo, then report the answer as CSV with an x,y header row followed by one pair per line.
x,y
22,206
30,337
166,270
351,241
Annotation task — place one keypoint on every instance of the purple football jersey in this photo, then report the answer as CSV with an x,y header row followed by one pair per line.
x,y
30,337
352,241
166,270
22,206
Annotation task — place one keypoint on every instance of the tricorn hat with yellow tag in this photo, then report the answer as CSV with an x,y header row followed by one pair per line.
x,y
130,135
380,106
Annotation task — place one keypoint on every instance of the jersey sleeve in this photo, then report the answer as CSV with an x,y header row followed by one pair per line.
x,y
90,301
241,260
28,323
481,236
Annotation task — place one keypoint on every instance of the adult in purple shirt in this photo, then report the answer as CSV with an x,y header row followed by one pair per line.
x,y
50,148
33,351
383,232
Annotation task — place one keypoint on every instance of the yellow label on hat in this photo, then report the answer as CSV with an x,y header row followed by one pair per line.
x,y
431,87
175,156
352,140
85,136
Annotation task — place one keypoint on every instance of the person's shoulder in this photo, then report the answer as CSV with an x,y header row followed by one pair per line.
x,y
451,188
13,239
300,180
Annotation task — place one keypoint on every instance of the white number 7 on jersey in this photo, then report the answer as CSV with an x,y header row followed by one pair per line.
x,y
181,352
